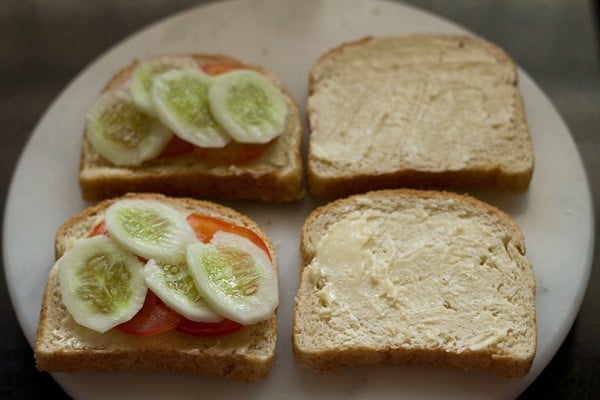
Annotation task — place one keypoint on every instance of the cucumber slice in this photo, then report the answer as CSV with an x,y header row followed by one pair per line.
x,y
121,133
248,105
181,102
101,284
144,74
149,229
174,285
235,277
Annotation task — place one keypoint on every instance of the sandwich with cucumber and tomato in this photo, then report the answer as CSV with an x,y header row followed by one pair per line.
x,y
198,125
150,282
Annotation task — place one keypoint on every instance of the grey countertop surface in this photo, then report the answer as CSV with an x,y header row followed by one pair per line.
x,y
44,44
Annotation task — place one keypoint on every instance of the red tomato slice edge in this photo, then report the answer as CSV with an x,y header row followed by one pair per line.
x,y
208,328
99,229
218,68
155,317
205,227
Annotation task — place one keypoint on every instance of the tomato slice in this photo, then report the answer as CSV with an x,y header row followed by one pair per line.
x,y
217,68
205,227
208,328
98,230
154,317
232,153
176,147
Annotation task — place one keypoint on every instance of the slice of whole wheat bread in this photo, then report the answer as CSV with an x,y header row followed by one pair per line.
x,y
276,175
63,345
424,111
414,277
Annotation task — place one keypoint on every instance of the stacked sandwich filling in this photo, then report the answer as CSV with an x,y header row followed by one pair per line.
x,y
171,106
147,268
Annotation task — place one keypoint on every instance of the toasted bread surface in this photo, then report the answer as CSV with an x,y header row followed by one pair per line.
x,y
414,277
422,111
63,345
276,175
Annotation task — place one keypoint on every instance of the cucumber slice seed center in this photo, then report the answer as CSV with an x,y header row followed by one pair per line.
x,y
144,225
250,105
125,125
232,270
178,279
104,284
188,99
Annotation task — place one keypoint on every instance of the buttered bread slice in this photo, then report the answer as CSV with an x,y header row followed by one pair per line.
x,y
425,111
87,287
415,277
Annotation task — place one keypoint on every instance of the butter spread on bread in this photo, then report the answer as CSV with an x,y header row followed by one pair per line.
x,y
415,277
416,111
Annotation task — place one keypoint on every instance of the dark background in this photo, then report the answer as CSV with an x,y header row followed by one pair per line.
x,y
45,43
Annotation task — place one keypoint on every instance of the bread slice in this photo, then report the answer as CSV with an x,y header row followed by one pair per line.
x,y
414,277
421,111
63,345
276,175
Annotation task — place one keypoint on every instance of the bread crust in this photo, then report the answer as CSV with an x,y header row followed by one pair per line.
x,y
495,177
63,345
332,357
276,175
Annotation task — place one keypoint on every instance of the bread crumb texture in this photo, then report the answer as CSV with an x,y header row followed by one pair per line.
x,y
404,278
424,105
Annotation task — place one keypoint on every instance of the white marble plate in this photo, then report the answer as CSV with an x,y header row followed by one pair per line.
x,y
286,37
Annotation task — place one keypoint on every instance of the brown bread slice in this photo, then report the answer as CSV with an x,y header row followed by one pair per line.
x,y
274,176
63,345
424,111
414,277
